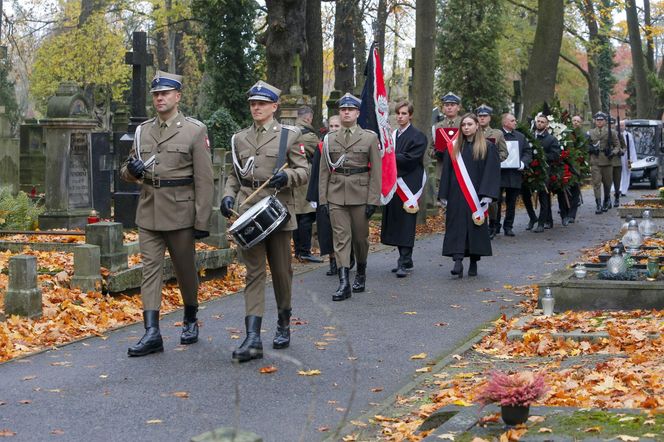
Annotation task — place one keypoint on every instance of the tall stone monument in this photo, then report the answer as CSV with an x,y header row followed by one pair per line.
x,y
9,156
68,178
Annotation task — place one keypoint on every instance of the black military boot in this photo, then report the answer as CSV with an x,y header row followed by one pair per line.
x,y
343,292
333,267
472,269
598,210
458,267
352,260
189,325
282,337
252,347
607,204
360,277
616,200
151,341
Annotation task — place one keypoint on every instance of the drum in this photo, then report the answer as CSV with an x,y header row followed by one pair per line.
x,y
263,218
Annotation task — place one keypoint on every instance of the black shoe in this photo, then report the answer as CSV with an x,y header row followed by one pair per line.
x,y
151,341
360,277
598,209
509,232
539,228
401,272
458,268
548,226
607,205
492,233
343,292
530,225
616,201
189,325
571,220
282,337
311,258
472,269
251,347
565,222
333,267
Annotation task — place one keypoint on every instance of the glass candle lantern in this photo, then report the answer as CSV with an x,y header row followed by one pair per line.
x,y
616,264
625,225
632,240
580,271
548,301
647,226
652,268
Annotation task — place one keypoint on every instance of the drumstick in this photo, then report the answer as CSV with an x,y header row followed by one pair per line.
x,y
250,197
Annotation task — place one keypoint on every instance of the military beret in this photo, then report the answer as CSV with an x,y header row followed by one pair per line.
x,y
261,91
165,81
600,116
349,100
451,97
483,109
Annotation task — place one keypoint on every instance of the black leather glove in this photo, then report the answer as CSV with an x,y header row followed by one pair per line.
x,y
324,209
227,206
200,234
136,168
279,180
370,209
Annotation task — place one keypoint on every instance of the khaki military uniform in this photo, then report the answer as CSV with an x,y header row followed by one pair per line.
x,y
167,215
500,143
276,247
601,166
348,188
444,123
310,141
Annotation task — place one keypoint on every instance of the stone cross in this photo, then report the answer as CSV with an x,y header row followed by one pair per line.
x,y
139,59
297,64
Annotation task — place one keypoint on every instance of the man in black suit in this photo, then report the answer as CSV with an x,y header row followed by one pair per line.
x,y
511,177
400,214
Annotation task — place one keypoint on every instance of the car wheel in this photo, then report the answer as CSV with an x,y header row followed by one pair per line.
x,y
653,179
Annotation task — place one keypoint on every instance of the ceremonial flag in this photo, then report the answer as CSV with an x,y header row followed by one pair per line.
x,y
374,115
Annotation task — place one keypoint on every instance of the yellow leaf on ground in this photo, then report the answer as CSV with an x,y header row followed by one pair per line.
x,y
154,421
308,372
409,313
423,370
593,430
545,430
7,433
358,423
462,403
267,369
626,438
419,356
181,394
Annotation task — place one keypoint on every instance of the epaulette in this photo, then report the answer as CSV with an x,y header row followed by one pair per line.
x,y
151,120
289,127
369,130
306,130
194,121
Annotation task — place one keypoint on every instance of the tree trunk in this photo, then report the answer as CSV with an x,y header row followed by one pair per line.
x,y
650,45
540,80
643,92
594,94
89,7
285,36
381,24
343,46
312,61
360,47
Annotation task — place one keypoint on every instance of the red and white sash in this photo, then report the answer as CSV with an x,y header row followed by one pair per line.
x,y
479,211
409,199
445,138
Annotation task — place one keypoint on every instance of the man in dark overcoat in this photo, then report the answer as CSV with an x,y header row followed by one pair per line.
x,y
400,214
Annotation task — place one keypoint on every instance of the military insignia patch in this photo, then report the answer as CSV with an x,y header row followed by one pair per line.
x,y
207,142
301,149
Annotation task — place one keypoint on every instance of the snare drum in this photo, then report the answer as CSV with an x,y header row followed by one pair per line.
x,y
263,218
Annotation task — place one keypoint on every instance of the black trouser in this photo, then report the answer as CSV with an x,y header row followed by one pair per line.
x,y
302,235
569,201
527,196
511,194
545,216
405,256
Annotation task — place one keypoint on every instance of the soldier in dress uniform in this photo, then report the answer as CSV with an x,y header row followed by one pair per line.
x,y
256,152
171,159
451,108
603,154
305,214
484,113
349,189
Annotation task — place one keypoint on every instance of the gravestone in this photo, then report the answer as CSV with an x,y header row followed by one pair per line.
x,y
108,236
87,264
32,169
125,198
291,102
9,156
68,180
23,297
103,166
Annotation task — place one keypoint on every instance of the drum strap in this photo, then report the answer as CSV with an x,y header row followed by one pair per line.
x,y
283,145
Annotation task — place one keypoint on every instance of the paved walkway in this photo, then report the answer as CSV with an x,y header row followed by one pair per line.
x,y
92,391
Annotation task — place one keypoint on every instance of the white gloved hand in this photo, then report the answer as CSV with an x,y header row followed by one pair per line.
x,y
443,202
522,166
485,201
313,204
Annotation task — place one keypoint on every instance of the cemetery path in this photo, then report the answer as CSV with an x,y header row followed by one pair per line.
x,y
91,390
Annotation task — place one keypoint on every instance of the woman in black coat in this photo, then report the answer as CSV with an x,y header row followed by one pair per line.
x,y
466,230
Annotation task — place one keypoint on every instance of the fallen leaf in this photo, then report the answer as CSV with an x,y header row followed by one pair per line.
x,y
423,370
358,423
57,431
479,439
536,419
7,433
349,438
545,430
323,428
340,409
409,313
103,376
455,306
308,372
457,357
419,356
446,436
181,394
440,324
154,421
28,378
25,401
593,430
267,369
626,438
377,389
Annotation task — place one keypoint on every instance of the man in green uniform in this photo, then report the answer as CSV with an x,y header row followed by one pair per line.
x,y
255,157
349,188
305,214
171,159
451,107
602,152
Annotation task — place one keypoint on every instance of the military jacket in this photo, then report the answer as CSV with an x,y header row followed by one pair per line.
x,y
181,151
599,140
444,123
265,156
357,188
499,141
310,142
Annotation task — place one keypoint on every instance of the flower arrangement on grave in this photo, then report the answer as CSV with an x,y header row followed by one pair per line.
x,y
536,174
516,389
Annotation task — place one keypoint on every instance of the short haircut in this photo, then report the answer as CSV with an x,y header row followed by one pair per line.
x,y
405,103
504,116
304,110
